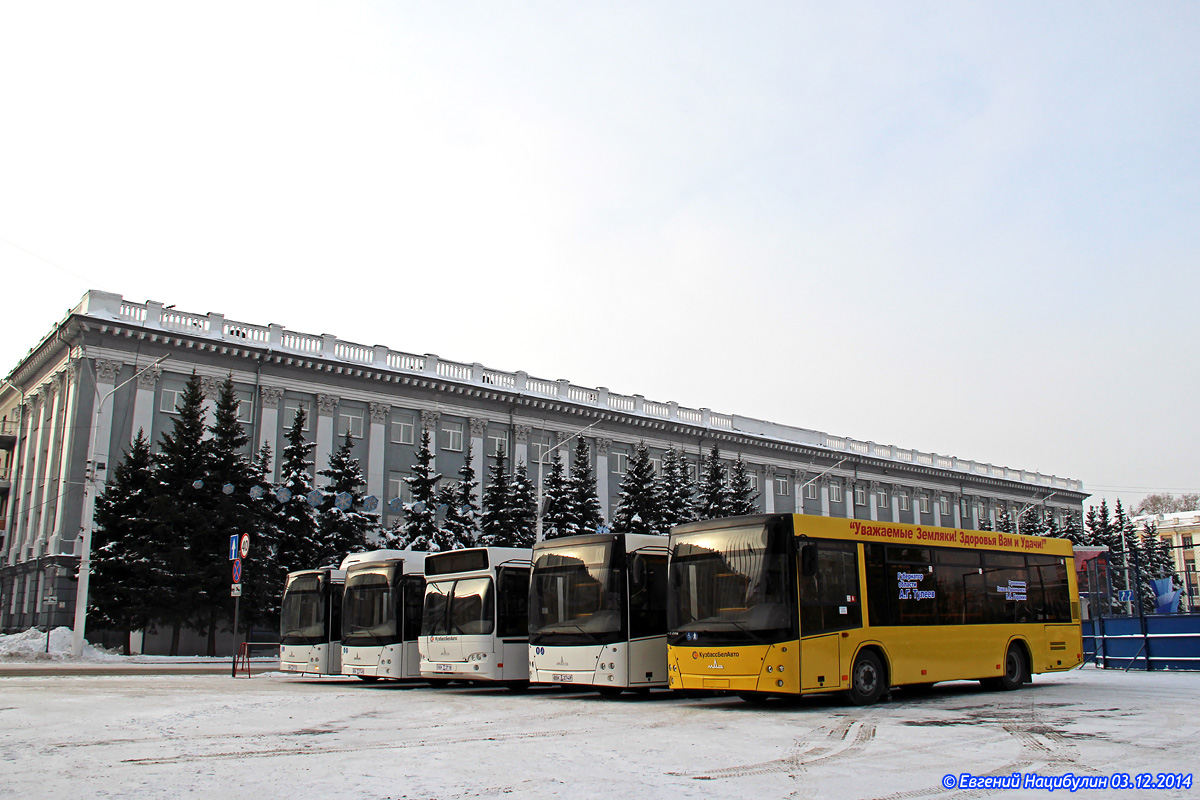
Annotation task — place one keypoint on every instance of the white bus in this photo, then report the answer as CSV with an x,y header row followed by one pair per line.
x,y
598,612
381,614
310,621
475,624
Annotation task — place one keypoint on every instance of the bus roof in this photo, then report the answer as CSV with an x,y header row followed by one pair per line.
x,y
897,533
414,561
474,559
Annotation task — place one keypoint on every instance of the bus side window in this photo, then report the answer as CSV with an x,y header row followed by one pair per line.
x,y
1006,597
1048,590
829,599
513,588
411,606
335,614
647,595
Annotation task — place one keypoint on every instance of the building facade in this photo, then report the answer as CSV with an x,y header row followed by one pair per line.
x,y
112,367
1180,530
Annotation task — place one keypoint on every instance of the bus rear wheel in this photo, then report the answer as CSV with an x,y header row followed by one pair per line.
x,y
1015,673
866,680
368,678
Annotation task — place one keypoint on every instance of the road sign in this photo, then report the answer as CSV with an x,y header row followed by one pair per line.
x,y
1125,595
233,546
235,590
244,547
237,570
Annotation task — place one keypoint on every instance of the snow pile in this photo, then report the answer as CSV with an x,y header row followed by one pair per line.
x,y
30,645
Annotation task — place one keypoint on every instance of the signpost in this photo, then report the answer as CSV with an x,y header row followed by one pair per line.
x,y
239,548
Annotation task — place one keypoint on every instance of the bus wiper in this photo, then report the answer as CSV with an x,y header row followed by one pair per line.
x,y
747,631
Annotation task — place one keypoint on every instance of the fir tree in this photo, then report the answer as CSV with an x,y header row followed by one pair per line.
x,y
1121,536
523,509
640,504
741,495
556,501
584,514
344,531
181,506
1073,530
985,524
125,571
262,579
1032,522
297,547
676,491
497,522
713,501
1004,522
420,529
233,510
460,527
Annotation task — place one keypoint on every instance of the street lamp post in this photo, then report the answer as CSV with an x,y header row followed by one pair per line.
x,y
1021,513
541,461
89,513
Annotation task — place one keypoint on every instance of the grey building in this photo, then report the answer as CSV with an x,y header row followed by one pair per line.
x,y
74,403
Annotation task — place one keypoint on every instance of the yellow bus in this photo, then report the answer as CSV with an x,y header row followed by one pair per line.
x,y
787,604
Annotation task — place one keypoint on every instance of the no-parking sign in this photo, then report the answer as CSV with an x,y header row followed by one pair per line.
x,y
237,570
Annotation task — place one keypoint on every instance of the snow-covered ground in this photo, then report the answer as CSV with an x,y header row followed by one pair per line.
x,y
274,736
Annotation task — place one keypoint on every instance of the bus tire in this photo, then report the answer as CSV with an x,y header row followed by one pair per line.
x,y
1015,671
866,680
610,691
368,678
754,697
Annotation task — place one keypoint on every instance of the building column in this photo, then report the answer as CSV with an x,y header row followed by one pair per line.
x,y
873,500
602,446
956,502
521,445
768,490
375,444
36,485
49,476
143,403
429,424
478,427
326,409
936,504
895,493
211,387
18,503
71,422
991,510
798,480
824,497
269,399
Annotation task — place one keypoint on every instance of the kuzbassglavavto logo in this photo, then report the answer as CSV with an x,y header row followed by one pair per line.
x,y
695,654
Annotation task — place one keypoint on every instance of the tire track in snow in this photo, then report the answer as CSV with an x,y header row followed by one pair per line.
x,y
834,747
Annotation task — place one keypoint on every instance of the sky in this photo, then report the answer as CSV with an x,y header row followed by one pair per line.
x,y
965,228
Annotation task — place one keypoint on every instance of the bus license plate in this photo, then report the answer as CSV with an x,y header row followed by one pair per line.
x,y
443,668
357,671
562,677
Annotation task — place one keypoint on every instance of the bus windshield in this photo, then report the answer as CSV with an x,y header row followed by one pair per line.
x,y
459,608
302,616
369,615
576,594
731,585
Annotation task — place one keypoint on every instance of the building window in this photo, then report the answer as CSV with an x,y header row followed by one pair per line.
x,y
619,463
903,501
881,498
172,396
693,472
245,405
981,510
783,486
810,490
497,444
656,465
923,501
860,496
752,477
398,487
835,493
350,420
403,426
290,407
1187,540
944,506
540,453
452,436
964,508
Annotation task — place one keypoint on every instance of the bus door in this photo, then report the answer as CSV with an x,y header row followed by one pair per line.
x,y
830,607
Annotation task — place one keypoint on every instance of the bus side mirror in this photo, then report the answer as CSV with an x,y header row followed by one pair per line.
x,y
808,560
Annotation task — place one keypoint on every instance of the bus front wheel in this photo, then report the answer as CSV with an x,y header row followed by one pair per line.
x,y
1014,676
866,680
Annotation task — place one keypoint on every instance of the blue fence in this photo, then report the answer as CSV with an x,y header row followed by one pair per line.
x,y
1166,641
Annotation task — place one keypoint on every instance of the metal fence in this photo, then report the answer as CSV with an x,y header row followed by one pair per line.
x,y
1129,625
